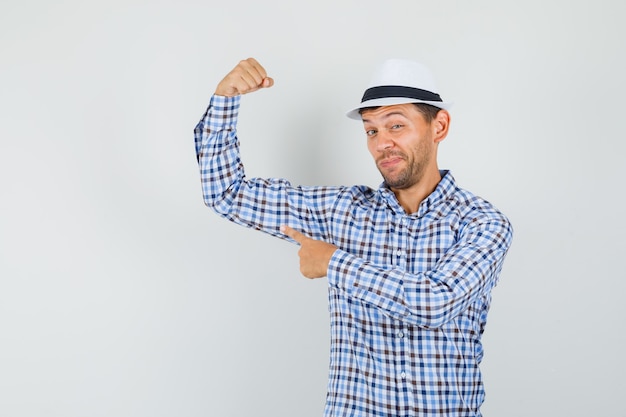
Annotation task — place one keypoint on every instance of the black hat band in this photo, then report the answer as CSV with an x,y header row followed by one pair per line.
x,y
385,91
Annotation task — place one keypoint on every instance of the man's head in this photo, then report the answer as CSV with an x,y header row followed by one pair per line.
x,y
404,119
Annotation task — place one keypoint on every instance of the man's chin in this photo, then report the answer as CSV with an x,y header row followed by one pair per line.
x,y
396,183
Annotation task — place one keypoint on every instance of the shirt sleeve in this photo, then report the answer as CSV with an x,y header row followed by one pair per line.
x,y
261,204
430,299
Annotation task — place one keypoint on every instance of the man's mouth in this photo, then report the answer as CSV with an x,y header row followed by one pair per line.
x,y
390,161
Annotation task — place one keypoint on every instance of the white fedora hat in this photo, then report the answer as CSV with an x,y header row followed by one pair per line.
x,y
399,81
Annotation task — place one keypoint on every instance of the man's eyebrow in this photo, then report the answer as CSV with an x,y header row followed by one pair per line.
x,y
388,115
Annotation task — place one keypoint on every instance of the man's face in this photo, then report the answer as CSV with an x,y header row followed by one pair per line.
x,y
401,143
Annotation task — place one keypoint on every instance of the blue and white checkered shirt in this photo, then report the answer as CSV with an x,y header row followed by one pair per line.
x,y
408,293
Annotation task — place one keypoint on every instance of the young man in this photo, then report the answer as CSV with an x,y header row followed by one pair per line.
x,y
410,265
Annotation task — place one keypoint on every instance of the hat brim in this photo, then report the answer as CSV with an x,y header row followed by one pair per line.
x,y
390,101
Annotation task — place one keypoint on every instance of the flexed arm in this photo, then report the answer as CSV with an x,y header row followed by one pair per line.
x,y
259,203
217,145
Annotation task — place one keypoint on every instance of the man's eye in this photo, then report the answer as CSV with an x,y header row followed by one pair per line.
x,y
371,132
396,126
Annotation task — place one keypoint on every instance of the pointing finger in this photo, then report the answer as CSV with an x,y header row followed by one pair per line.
x,y
293,233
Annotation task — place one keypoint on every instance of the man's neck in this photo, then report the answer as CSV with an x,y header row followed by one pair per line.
x,y
411,198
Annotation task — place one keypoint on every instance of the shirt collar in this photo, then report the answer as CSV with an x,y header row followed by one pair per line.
x,y
445,188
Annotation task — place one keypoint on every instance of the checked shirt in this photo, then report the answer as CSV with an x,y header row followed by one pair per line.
x,y
408,293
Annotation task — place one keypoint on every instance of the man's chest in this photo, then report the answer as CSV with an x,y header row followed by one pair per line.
x,y
403,241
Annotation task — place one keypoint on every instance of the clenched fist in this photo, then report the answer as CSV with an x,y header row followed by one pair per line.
x,y
246,77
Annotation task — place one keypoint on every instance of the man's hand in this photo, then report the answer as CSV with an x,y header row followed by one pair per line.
x,y
246,77
314,254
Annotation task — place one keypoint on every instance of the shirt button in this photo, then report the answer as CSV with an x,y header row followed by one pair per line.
x,y
403,375
399,252
400,334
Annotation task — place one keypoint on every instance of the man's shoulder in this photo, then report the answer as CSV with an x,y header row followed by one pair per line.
x,y
474,208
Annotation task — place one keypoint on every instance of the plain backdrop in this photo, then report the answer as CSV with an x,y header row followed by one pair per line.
x,y
121,295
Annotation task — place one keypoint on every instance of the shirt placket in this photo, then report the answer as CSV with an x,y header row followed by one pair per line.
x,y
402,348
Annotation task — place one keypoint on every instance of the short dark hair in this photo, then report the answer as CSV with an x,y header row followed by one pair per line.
x,y
428,111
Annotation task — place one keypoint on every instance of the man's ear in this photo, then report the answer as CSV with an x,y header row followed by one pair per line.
x,y
440,125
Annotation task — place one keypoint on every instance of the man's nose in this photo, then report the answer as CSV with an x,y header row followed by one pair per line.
x,y
384,140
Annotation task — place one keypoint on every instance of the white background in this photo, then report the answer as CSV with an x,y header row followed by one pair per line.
x,y
122,295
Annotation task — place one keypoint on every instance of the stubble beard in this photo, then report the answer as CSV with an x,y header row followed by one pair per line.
x,y
410,175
